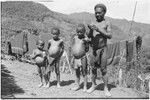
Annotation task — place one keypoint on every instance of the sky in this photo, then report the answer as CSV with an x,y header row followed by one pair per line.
x,y
122,9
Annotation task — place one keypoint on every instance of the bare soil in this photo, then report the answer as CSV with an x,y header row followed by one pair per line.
x,y
21,80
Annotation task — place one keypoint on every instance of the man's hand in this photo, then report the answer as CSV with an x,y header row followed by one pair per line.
x,y
93,27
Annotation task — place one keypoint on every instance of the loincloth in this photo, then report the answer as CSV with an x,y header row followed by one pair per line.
x,y
82,62
42,67
52,64
95,56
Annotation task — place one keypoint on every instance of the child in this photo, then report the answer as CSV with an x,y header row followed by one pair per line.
x,y
79,49
39,56
55,51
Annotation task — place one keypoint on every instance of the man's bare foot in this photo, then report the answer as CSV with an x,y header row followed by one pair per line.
x,y
91,89
75,88
44,85
58,85
40,85
84,89
107,93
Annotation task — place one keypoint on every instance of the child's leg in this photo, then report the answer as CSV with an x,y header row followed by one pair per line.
x,y
84,72
48,79
77,80
40,74
57,73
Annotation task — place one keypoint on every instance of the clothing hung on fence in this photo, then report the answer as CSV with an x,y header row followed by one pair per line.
x,y
113,50
130,50
19,44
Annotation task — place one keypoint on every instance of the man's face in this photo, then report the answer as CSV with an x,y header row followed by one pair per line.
x,y
99,13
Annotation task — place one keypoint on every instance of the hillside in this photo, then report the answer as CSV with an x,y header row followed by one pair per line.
x,y
38,19
34,17
121,25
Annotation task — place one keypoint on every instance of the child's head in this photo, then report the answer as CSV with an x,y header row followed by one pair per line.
x,y
40,44
80,30
100,10
55,31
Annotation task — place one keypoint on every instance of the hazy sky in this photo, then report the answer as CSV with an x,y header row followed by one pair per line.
x,y
122,9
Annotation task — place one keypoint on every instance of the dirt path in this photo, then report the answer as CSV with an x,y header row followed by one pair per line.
x,y
26,78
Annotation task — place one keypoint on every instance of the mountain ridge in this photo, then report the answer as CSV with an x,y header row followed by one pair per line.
x,y
39,19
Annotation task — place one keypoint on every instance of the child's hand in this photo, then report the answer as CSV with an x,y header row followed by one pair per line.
x,y
95,28
90,27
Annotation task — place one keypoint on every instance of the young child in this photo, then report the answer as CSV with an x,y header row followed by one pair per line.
x,y
39,56
55,51
79,49
100,32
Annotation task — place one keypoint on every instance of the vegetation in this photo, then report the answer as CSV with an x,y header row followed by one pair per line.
x,y
38,19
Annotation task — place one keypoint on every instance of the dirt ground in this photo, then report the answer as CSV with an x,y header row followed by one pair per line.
x,y
20,80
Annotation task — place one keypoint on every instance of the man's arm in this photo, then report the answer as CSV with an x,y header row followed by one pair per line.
x,y
109,32
105,32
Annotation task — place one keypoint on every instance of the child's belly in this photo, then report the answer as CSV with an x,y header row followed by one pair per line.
x,y
39,60
54,51
78,50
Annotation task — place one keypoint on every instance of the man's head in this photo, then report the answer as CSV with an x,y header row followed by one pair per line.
x,y
40,44
80,30
55,31
100,10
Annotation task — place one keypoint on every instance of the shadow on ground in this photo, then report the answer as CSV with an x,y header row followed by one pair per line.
x,y
8,84
63,83
101,87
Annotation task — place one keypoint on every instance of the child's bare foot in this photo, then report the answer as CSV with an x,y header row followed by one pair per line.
x,y
47,85
75,88
107,93
91,89
58,85
40,85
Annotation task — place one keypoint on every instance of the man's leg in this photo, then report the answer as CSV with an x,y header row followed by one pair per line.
x,y
104,71
93,79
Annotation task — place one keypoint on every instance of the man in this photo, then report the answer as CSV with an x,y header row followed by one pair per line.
x,y
100,32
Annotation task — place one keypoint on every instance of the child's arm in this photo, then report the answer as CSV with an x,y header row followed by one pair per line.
x,y
86,43
62,46
33,56
49,44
